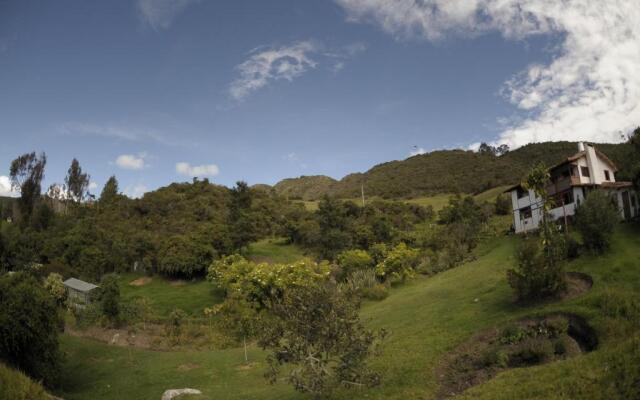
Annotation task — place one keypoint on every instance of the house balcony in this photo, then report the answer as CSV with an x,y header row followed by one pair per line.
x,y
562,184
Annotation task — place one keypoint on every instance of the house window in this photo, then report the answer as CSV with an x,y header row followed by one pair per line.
x,y
565,197
525,213
585,171
606,175
522,193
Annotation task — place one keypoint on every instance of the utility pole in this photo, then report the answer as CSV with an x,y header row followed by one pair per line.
x,y
362,191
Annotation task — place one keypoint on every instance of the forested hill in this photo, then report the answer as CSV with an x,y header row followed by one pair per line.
x,y
446,171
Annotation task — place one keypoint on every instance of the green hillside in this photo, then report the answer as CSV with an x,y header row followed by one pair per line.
x,y
305,187
446,171
427,318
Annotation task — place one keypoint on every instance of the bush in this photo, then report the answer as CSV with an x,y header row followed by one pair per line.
x,y
567,347
29,327
377,292
175,324
16,386
399,263
573,247
596,219
495,357
503,204
110,298
353,260
539,273
533,351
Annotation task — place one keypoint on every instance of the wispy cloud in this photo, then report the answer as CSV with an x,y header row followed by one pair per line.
x,y
126,133
159,14
131,162
186,169
590,91
5,187
265,66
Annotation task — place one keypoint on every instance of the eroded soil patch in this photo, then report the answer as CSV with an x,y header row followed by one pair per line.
x,y
141,281
577,283
527,342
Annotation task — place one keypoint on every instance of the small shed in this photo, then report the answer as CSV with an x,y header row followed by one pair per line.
x,y
79,291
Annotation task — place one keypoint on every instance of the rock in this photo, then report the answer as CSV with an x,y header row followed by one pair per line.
x,y
171,393
115,338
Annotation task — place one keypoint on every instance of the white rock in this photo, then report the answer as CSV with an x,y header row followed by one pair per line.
x,y
171,393
115,338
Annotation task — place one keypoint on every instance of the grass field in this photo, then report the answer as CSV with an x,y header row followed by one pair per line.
x,y
274,250
426,317
166,295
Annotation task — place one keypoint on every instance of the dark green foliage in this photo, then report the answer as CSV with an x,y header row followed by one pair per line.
x,y
185,255
110,192
316,332
29,327
26,173
539,272
110,298
449,171
596,219
77,182
503,204
241,220
176,323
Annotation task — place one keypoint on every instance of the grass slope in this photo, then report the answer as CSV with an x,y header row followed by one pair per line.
x,y
274,251
14,385
165,295
427,318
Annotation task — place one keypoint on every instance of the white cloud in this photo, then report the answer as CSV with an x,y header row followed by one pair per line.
x,y
159,14
5,187
130,161
136,191
187,169
93,185
417,151
590,91
287,62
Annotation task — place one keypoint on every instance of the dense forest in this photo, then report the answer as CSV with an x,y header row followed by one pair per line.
x,y
448,171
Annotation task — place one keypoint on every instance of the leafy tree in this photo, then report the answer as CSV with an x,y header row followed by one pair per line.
x,y
110,297
110,191
238,317
399,263
54,285
241,221
540,269
29,327
317,334
77,182
353,260
175,324
596,219
26,174
185,255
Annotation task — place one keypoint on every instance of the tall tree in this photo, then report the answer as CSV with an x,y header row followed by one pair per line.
x,y
110,191
242,227
26,174
77,182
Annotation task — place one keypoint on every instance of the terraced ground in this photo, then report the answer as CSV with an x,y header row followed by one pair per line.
x,y
428,318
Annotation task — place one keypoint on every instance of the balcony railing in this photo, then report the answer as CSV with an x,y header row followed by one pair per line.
x,y
562,184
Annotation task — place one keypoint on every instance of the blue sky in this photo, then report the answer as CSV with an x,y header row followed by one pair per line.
x,y
157,91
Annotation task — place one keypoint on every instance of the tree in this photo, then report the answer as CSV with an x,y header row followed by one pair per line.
x,y
353,260
55,287
540,269
29,327
503,204
76,182
110,297
316,331
399,263
596,219
26,174
242,227
110,191
238,317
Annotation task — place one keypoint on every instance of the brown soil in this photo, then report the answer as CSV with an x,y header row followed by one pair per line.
x,y
247,366
178,282
150,339
141,281
467,366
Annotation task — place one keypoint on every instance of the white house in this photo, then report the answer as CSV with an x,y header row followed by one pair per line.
x,y
571,181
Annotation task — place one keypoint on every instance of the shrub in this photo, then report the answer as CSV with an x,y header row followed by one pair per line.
x,y
16,386
539,273
353,260
399,263
176,322
534,351
503,204
29,327
596,219
377,292
495,357
573,247
567,347
110,297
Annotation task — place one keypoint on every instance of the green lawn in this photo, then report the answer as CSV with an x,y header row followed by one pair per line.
x,y
491,194
426,317
165,295
274,250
